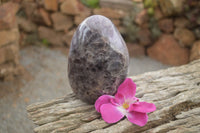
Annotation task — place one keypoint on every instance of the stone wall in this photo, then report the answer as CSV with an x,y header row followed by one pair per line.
x,y
54,21
168,31
9,46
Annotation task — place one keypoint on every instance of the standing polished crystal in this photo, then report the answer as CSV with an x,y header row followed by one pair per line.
x,y
98,59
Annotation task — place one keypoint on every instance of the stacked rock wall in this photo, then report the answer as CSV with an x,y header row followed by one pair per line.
x,y
166,30
54,21
9,45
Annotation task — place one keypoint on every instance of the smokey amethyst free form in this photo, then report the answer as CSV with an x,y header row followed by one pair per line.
x,y
98,59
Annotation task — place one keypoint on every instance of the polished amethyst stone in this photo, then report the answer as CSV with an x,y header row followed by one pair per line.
x,y
98,59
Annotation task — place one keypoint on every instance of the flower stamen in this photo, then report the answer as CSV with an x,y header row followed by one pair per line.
x,y
125,105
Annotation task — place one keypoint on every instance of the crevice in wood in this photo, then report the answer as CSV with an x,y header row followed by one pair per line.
x,y
182,107
170,116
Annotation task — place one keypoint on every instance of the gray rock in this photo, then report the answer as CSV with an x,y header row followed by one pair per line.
x,y
98,59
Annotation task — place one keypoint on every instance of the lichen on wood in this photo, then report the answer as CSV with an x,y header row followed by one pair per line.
x,y
175,92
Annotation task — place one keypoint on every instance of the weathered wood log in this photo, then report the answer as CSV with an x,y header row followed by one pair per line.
x,y
174,91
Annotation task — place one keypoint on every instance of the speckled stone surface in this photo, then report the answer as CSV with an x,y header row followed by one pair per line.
x,y
98,59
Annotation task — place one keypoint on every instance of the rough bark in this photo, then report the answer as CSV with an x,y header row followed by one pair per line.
x,y
175,92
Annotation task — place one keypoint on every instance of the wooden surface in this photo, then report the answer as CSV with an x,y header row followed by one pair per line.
x,y
174,91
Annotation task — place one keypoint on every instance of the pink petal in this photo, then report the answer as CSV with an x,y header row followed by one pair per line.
x,y
137,118
119,98
127,88
111,113
102,100
143,107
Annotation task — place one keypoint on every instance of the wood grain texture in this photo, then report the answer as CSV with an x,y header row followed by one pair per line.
x,y
174,91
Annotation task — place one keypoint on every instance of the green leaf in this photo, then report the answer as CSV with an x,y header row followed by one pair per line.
x,y
45,42
150,11
91,3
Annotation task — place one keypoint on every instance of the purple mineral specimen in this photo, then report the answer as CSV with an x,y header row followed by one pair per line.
x,y
98,59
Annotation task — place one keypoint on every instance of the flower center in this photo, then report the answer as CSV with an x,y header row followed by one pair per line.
x,y
125,105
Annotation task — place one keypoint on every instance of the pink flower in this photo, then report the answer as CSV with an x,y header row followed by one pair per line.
x,y
124,103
